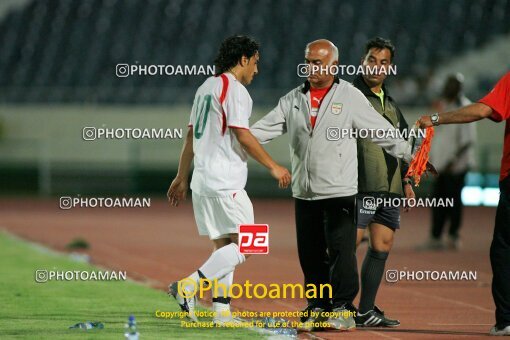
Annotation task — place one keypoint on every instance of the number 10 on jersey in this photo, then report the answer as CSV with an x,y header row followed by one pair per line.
x,y
201,114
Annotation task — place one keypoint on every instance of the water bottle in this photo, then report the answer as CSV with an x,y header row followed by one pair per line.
x,y
272,328
88,325
131,332
285,331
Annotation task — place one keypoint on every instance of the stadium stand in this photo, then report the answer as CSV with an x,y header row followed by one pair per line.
x,y
66,50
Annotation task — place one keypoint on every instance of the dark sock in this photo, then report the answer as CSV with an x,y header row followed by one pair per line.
x,y
371,274
202,277
222,299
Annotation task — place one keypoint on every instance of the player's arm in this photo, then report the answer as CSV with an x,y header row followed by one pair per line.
x,y
404,128
364,116
404,166
466,114
179,187
255,150
272,124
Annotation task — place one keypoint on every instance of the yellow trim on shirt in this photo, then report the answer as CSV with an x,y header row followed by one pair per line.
x,y
381,97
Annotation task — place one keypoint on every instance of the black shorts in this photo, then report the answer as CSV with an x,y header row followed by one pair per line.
x,y
368,213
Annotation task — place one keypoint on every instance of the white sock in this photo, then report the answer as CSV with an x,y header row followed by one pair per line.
x,y
224,285
221,308
188,281
222,262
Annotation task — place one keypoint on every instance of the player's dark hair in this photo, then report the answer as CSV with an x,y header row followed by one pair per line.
x,y
380,43
232,50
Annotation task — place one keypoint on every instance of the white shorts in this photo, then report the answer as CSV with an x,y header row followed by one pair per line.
x,y
219,216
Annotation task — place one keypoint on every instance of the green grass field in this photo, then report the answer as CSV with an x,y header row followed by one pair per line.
x,y
31,310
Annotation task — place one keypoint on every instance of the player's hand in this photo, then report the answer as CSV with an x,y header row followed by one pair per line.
x,y
425,122
177,191
409,194
282,175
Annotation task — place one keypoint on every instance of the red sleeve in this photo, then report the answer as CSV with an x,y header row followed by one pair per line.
x,y
499,99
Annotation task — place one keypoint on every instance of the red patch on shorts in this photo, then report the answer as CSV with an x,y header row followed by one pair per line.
x,y
235,193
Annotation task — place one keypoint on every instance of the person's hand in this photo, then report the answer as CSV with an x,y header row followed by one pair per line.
x,y
177,191
409,194
425,122
282,175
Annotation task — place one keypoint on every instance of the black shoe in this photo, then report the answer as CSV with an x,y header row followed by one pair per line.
x,y
378,310
350,307
375,318
306,313
311,317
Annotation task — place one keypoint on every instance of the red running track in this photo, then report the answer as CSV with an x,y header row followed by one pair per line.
x,y
160,244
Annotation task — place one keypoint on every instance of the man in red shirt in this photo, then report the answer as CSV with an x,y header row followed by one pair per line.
x,y
495,106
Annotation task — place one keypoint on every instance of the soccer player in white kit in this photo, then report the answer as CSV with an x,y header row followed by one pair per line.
x,y
219,140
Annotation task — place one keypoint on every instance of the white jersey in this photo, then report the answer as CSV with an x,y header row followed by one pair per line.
x,y
220,103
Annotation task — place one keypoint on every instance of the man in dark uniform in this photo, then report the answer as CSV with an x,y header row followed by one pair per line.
x,y
379,175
